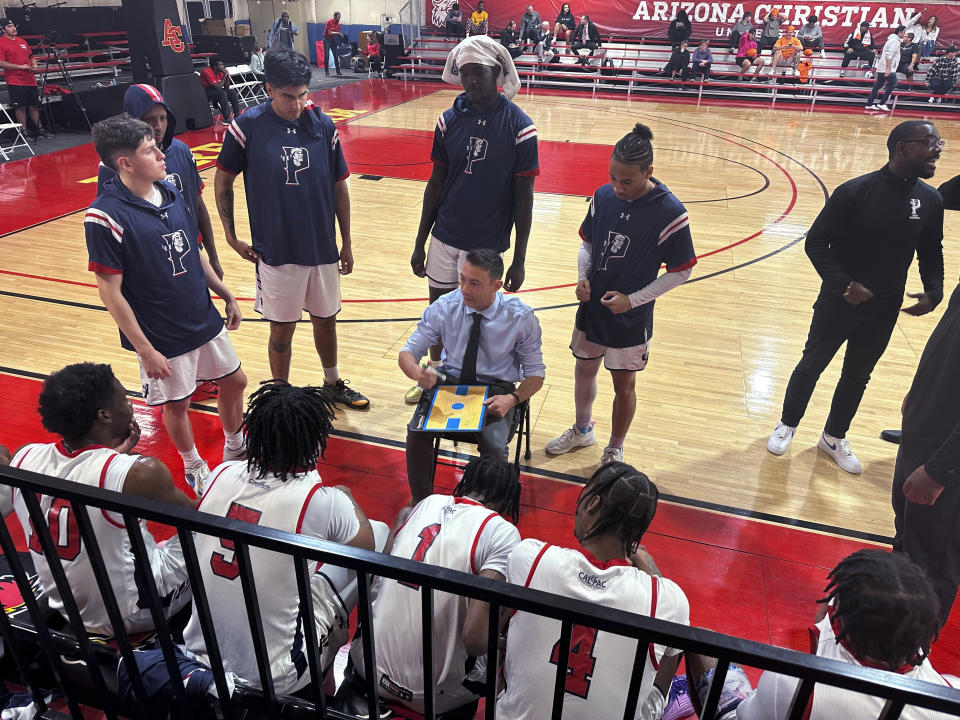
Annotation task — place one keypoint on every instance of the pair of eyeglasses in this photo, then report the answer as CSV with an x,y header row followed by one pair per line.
x,y
932,144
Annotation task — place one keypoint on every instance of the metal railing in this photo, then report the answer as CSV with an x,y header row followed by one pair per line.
x,y
897,690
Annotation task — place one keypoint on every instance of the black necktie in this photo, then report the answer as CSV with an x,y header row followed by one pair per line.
x,y
468,373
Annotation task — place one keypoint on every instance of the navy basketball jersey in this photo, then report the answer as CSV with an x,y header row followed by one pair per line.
x,y
289,172
629,241
483,153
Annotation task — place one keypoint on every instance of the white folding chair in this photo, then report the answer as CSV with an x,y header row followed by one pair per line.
x,y
19,140
243,81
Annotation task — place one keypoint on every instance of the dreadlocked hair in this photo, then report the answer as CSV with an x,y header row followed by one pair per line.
x,y
286,428
636,147
492,481
628,502
885,607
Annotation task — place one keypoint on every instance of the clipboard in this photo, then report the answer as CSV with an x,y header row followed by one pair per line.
x,y
456,408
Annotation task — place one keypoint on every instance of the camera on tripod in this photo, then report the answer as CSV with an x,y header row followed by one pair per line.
x,y
52,37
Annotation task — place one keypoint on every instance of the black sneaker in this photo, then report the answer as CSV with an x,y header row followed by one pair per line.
x,y
338,392
44,133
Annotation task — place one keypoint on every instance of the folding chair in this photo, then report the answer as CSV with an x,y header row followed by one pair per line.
x,y
19,140
246,84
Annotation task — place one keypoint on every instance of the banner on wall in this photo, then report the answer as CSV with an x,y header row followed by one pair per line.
x,y
650,18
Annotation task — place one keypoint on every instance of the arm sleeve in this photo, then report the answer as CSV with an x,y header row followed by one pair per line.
x,y
679,254
663,284
528,348
583,261
496,541
338,163
829,225
930,257
233,153
527,159
331,516
439,151
104,243
428,331
944,466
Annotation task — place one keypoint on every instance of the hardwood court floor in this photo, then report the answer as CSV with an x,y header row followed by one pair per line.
x,y
724,343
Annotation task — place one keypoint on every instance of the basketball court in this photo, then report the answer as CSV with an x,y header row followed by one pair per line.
x,y
748,535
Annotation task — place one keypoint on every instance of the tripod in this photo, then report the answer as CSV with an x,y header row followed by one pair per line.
x,y
56,63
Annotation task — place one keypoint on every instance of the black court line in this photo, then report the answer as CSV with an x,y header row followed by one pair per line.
x,y
42,222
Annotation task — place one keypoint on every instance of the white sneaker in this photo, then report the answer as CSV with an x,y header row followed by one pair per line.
x,y
839,450
842,73
779,441
871,107
929,100
869,74
611,454
196,476
939,99
570,439
231,454
823,54
883,106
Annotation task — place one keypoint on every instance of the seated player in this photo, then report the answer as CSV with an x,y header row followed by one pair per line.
x,y
88,408
154,281
748,55
786,52
286,431
610,568
373,55
462,532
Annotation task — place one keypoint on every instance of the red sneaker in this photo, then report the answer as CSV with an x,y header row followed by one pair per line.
x,y
206,390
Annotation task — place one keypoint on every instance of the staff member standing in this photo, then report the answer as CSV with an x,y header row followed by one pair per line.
x,y
332,37
862,244
18,65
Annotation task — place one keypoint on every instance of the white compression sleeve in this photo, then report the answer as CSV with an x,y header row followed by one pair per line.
x,y
666,282
583,261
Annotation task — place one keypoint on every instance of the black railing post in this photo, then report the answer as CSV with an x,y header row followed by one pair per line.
x,y
301,568
12,645
563,661
242,554
636,678
716,687
891,710
426,627
801,697
365,618
493,654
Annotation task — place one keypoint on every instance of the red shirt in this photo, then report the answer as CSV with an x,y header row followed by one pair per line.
x,y
15,50
332,28
208,77
373,48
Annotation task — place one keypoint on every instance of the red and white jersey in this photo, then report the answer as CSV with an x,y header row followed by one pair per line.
x,y
600,663
456,533
771,701
96,466
301,505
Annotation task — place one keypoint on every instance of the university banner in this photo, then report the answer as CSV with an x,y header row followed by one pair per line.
x,y
649,18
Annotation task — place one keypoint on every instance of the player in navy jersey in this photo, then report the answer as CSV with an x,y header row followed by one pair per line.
x,y
152,277
484,163
633,226
295,179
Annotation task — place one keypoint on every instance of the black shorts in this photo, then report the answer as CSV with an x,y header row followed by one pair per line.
x,y
24,95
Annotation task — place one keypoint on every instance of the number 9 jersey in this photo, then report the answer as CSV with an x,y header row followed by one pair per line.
x,y
600,663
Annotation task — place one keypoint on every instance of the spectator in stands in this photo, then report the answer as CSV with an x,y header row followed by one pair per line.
x,y
748,55
566,23
87,407
216,84
679,63
18,64
544,49
702,60
909,61
942,75
586,36
332,39
479,21
931,31
858,46
278,486
771,30
886,67
373,55
453,24
530,26
472,531
610,567
283,32
787,51
679,29
811,35
508,38
256,61
743,26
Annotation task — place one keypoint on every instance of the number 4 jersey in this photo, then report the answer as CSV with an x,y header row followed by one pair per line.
x,y
598,671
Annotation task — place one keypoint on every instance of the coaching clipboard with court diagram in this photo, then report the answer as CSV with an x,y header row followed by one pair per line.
x,y
457,408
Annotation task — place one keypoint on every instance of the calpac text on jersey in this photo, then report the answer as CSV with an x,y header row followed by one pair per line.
x,y
721,13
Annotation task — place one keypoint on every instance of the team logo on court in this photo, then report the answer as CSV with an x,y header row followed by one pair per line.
x,y
476,151
295,161
177,247
174,179
914,206
614,246
173,37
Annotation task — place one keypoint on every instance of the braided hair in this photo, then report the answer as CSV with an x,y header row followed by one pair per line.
x,y
628,502
286,428
72,397
494,482
885,606
636,147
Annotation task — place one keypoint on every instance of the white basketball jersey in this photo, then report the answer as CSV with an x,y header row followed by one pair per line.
x,y
600,663
456,533
774,692
96,466
235,492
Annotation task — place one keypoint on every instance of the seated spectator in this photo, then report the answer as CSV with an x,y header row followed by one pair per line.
x,y
811,35
463,532
585,36
805,66
508,38
748,54
786,51
679,63
702,60
566,23
679,29
858,46
931,31
216,84
256,61
373,55
771,30
909,56
479,21
609,567
88,408
278,486
943,73
743,26
530,26
453,24
545,50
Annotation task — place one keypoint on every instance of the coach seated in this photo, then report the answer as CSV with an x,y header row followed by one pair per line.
x,y
488,339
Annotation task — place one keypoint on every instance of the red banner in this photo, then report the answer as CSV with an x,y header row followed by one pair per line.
x,y
646,18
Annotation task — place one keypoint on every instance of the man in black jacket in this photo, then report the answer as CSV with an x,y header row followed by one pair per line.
x,y
926,481
508,38
862,244
585,36
858,46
